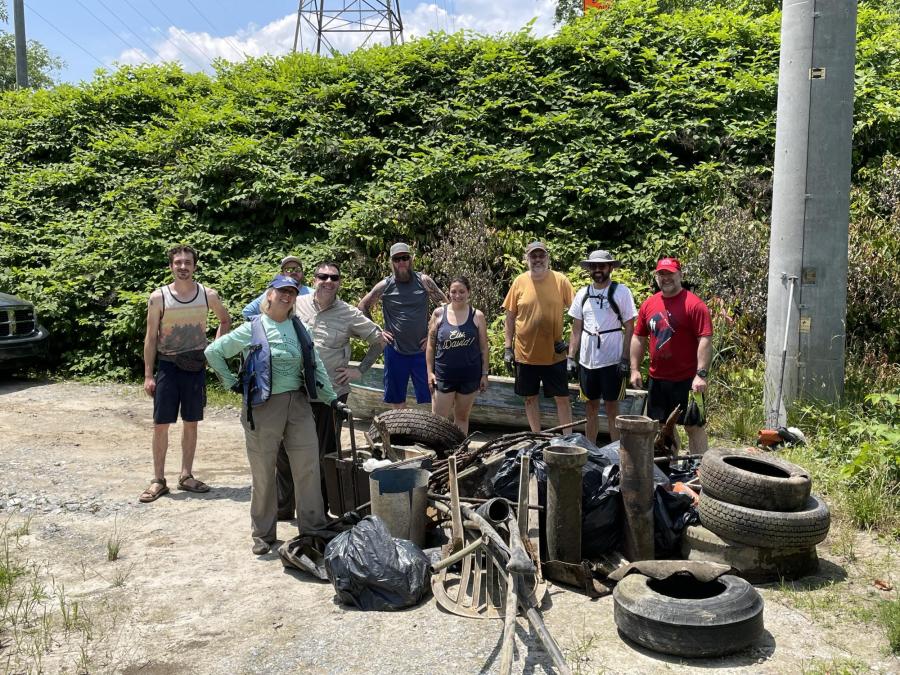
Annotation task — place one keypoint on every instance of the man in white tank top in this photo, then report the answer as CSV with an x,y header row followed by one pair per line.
x,y
174,343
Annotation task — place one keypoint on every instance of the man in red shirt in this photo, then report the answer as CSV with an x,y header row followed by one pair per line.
x,y
679,329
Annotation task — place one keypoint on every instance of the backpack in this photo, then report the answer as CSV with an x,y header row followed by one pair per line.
x,y
610,296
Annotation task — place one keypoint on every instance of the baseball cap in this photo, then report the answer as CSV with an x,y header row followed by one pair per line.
x,y
668,265
535,246
400,247
291,259
283,281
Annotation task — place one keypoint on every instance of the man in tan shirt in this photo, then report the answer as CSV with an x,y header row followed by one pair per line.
x,y
535,305
332,323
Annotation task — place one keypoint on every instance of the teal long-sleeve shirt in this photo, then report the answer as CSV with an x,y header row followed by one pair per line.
x,y
287,359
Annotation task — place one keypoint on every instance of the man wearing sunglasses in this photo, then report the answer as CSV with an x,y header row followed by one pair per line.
x,y
405,297
602,324
332,324
290,267
676,325
533,330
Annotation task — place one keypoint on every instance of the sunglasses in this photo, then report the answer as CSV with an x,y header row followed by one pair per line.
x,y
321,276
537,255
401,258
291,270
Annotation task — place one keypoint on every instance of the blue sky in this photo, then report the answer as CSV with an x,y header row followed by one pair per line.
x,y
89,34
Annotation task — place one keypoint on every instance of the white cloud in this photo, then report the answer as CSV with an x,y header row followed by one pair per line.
x,y
196,49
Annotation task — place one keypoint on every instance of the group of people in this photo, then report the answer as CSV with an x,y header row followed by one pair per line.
x,y
296,370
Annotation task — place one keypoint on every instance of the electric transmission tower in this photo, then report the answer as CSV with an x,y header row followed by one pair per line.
x,y
328,17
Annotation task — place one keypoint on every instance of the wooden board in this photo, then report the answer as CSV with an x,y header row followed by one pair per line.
x,y
499,406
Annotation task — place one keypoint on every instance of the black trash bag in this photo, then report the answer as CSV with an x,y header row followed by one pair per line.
x,y
373,571
602,517
672,512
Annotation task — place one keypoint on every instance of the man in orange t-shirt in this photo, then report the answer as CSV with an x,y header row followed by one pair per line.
x,y
535,305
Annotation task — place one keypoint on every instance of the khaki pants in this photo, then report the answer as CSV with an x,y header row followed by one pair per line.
x,y
284,417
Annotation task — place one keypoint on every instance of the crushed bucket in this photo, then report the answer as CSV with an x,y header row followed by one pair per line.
x,y
399,497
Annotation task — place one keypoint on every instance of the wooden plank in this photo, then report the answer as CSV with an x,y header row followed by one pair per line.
x,y
499,406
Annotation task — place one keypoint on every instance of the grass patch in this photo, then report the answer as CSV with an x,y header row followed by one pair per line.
x,y
113,543
889,618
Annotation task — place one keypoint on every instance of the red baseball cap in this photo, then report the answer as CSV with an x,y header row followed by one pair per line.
x,y
668,265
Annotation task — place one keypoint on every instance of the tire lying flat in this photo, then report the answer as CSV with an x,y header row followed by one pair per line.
x,y
756,564
771,529
408,426
716,618
755,479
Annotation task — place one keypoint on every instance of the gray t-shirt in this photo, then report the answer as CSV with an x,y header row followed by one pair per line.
x,y
405,309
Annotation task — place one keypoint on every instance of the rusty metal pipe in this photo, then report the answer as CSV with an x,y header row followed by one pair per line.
x,y
495,510
564,464
636,483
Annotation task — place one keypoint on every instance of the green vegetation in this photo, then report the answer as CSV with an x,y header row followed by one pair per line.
x,y
41,63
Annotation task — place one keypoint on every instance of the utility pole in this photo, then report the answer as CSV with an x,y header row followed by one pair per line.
x,y
330,17
21,56
810,205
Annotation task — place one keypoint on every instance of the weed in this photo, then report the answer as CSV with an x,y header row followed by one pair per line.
x,y
113,543
24,529
889,617
833,667
121,576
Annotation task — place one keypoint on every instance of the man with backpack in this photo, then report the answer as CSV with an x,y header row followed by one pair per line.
x,y
603,323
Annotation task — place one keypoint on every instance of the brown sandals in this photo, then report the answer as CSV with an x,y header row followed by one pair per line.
x,y
195,486
151,495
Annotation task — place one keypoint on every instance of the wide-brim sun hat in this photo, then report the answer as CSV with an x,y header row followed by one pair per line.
x,y
600,256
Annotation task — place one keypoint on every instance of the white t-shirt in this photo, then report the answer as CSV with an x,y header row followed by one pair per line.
x,y
599,316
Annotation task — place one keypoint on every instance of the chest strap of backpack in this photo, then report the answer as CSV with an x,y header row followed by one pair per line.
x,y
610,297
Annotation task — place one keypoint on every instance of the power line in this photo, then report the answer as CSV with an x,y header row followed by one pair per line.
x,y
128,28
49,23
216,30
187,37
152,27
105,25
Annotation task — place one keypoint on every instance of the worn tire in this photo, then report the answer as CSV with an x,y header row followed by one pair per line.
x,y
771,529
754,478
408,426
756,564
684,617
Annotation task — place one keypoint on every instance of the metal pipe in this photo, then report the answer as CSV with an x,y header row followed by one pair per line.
x,y
495,510
637,433
459,555
509,625
564,464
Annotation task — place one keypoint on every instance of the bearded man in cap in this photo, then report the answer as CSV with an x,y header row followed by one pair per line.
x,y
533,329
603,323
678,327
405,297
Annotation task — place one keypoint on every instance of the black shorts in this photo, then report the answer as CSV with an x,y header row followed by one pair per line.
x,y
178,389
469,387
664,395
529,379
605,383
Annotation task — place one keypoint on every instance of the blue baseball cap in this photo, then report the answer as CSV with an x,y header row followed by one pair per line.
x,y
282,281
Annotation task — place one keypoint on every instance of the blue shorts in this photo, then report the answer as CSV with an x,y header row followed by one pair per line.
x,y
178,389
398,368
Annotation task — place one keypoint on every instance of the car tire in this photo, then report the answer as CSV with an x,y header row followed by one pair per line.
x,y
771,529
755,479
408,427
756,564
685,617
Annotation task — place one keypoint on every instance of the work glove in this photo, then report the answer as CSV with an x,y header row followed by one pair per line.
x,y
695,416
624,368
509,358
560,346
571,368
341,409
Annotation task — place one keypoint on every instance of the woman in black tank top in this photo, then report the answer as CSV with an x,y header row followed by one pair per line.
x,y
456,355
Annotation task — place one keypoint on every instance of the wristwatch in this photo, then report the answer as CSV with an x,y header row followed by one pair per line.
x,y
703,372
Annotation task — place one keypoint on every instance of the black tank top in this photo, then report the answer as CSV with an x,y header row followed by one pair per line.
x,y
458,355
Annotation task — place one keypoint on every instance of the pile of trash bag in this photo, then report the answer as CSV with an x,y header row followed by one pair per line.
x,y
372,570
601,501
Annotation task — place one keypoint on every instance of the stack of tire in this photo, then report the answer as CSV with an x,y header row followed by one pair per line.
x,y
757,515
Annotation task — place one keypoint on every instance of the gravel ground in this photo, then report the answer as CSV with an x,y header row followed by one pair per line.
x,y
186,594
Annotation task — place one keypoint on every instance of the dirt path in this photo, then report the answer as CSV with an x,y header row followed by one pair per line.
x,y
187,595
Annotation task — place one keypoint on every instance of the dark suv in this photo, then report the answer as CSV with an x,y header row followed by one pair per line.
x,y
23,341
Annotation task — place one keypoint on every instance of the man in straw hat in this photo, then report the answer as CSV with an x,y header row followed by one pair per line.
x,y
603,323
